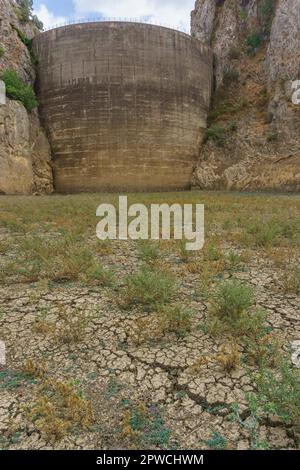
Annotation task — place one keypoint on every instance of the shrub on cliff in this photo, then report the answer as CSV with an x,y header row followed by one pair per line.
x,y
25,9
267,9
217,134
254,42
28,43
17,90
24,12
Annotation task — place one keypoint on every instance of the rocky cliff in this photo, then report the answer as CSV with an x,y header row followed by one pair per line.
x,y
253,136
25,156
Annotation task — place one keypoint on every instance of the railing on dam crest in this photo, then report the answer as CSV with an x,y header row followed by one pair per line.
x,y
125,20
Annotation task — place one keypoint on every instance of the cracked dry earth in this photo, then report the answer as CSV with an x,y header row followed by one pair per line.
x,y
115,372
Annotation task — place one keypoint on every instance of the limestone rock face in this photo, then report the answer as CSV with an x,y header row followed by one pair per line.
x,y
25,155
24,152
284,48
203,18
254,142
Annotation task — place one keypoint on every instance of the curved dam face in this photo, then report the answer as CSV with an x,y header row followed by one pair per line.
x,y
124,105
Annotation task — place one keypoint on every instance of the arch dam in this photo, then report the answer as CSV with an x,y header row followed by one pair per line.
x,y
124,105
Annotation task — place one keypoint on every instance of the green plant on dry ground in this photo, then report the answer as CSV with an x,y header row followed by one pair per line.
x,y
59,408
148,288
217,441
273,232
233,314
176,319
61,259
69,326
148,251
278,393
144,426
292,281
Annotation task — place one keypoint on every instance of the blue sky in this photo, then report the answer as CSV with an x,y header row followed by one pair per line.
x,y
175,13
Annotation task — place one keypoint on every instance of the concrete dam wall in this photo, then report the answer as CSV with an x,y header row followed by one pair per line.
x,y
124,105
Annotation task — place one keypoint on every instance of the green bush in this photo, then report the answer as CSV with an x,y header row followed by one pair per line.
x,y
232,313
100,275
37,23
254,42
17,90
25,10
233,299
177,319
217,134
24,13
148,288
217,442
29,44
278,393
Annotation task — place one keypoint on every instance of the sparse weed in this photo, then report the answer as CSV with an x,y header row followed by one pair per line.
x,y
148,288
265,234
213,253
292,282
251,423
278,393
232,299
148,251
270,233
72,325
149,328
230,75
176,319
12,379
185,255
33,369
217,442
99,275
254,43
198,365
233,261
144,426
59,409
261,346
229,357
217,134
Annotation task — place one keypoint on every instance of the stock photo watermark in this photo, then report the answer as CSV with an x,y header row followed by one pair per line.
x,y
296,92
159,222
2,353
2,93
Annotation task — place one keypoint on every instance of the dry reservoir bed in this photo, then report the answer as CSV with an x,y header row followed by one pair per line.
x,y
125,345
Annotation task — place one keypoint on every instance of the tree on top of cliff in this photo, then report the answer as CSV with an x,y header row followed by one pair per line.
x,y
26,13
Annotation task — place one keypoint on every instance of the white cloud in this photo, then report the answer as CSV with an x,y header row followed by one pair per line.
x,y
175,13
49,19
